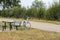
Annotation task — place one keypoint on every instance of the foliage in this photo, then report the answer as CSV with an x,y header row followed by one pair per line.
x,y
37,10
53,13
9,3
38,4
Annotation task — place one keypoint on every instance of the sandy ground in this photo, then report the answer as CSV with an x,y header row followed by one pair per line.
x,y
46,26
41,25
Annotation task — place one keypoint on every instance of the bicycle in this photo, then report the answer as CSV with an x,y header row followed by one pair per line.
x,y
26,24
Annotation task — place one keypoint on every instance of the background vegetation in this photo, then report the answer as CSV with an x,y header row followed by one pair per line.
x,y
37,10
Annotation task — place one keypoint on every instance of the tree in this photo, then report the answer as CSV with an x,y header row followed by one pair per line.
x,y
9,3
38,4
53,12
32,12
40,8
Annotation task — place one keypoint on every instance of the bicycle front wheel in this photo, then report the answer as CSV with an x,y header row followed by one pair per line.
x,y
28,25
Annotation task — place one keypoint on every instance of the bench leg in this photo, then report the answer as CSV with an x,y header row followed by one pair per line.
x,y
10,28
16,27
4,28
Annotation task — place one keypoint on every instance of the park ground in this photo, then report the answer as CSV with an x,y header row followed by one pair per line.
x,y
39,31
31,34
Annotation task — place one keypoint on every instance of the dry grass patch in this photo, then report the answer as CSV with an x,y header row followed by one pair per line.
x,y
32,34
37,20
46,21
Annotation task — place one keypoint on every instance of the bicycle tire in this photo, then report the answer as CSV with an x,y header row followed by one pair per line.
x,y
28,25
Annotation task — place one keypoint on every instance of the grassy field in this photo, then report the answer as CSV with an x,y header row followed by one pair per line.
x,y
32,34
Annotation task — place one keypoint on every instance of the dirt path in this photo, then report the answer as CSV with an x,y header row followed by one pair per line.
x,y
46,26
42,26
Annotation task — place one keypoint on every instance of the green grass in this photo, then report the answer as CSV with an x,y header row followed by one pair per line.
x,y
32,34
